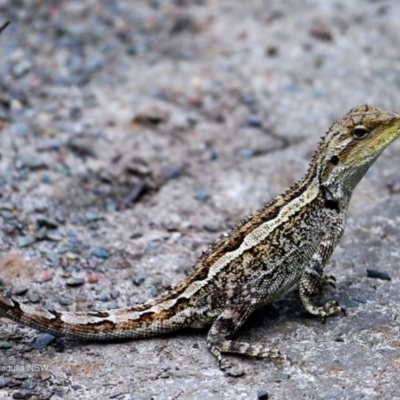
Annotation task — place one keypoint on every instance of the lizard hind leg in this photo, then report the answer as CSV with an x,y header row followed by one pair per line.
x,y
227,324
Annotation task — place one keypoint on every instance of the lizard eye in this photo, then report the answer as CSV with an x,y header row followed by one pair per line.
x,y
360,132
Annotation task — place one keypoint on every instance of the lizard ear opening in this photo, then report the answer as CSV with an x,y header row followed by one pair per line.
x,y
335,160
360,132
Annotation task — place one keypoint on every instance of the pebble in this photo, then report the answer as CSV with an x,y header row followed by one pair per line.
x,y
44,375
41,233
23,394
20,69
54,236
73,282
211,227
282,377
20,290
246,153
249,99
103,297
33,297
92,263
99,252
138,279
46,179
21,129
373,273
32,163
262,395
43,275
5,345
152,246
254,121
351,304
66,301
71,255
201,195
111,206
92,277
52,256
90,217
114,294
7,214
7,206
47,222
29,384
20,376
42,341
24,241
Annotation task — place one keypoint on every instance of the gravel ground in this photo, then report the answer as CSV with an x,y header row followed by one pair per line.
x,y
134,133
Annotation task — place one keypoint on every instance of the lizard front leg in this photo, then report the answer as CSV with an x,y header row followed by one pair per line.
x,y
311,280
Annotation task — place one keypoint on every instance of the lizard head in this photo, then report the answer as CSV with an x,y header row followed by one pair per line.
x,y
352,145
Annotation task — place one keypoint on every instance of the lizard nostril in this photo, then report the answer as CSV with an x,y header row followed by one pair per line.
x,y
335,160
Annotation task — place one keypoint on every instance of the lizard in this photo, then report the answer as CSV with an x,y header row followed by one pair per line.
x,y
288,241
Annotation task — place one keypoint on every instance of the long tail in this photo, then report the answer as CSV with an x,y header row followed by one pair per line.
x,y
150,319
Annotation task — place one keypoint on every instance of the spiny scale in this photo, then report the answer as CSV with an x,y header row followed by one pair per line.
x,y
288,241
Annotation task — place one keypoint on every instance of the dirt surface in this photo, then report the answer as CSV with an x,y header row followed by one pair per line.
x,y
133,133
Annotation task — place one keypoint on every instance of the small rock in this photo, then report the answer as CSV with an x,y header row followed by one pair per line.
x,y
111,206
360,300
23,394
282,377
91,217
7,214
73,282
373,273
262,395
54,236
52,256
20,69
41,233
66,301
5,345
211,227
46,179
25,241
321,32
29,384
201,195
44,375
42,341
7,206
103,297
32,163
43,276
249,99
114,294
394,186
351,304
138,279
254,121
100,253
152,246
71,255
47,222
33,297
92,277
246,153
20,376
20,290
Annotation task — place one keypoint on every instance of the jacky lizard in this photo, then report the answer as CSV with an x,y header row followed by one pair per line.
x,y
288,241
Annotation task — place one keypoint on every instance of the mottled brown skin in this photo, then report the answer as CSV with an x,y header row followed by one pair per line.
x,y
288,241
